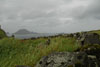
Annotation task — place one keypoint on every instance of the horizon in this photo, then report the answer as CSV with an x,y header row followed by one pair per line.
x,y
50,16
49,32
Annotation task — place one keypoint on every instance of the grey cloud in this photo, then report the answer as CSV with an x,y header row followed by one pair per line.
x,y
92,11
49,15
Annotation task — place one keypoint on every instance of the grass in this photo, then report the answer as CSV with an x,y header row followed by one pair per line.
x,y
95,31
28,52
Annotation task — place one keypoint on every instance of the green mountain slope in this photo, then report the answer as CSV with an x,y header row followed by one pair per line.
x,y
2,34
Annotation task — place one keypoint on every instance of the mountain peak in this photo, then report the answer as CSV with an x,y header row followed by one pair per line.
x,y
23,31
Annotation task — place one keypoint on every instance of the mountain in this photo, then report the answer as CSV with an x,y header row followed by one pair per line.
x,y
24,31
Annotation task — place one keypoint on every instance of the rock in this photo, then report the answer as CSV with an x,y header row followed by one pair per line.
x,y
48,42
68,59
89,38
91,50
22,66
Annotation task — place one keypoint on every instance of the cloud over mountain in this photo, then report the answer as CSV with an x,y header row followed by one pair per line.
x,y
50,15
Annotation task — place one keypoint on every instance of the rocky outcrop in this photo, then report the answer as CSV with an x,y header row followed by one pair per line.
x,y
69,59
86,37
89,38
91,50
86,56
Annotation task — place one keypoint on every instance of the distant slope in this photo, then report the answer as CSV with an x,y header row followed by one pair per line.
x,y
23,31
95,31
2,34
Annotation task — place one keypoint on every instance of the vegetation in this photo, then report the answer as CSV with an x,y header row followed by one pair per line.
x,y
93,47
28,52
78,64
2,34
95,31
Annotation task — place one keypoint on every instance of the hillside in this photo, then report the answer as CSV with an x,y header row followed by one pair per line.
x,y
2,34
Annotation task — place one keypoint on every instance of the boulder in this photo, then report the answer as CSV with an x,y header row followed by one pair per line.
x,y
89,38
91,50
48,41
69,59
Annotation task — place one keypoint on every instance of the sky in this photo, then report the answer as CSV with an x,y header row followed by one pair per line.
x,y
50,16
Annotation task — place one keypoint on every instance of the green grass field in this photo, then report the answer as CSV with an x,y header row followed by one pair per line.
x,y
28,52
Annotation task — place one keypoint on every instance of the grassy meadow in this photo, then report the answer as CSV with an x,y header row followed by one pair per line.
x,y
28,52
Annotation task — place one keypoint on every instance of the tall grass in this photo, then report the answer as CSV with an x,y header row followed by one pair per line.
x,y
28,52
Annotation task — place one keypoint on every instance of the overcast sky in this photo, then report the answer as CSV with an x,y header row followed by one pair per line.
x,y
50,16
